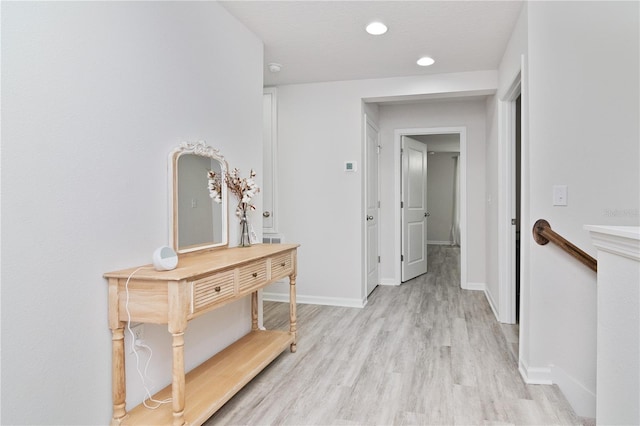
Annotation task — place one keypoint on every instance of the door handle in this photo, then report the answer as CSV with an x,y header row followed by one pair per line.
x,y
427,214
266,214
369,217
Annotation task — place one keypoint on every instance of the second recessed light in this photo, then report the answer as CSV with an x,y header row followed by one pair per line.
x,y
425,61
376,28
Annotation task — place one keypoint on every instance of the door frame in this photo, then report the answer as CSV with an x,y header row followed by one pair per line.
x,y
507,189
397,173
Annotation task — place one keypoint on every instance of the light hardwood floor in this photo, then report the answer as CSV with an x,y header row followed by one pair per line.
x,y
423,353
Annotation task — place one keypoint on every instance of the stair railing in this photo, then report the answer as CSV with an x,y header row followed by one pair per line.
x,y
543,234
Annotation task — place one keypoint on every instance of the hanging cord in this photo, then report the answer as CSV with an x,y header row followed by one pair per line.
x,y
134,345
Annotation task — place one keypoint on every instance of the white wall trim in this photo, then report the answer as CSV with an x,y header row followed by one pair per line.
x,y
492,302
525,237
389,281
315,300
439,243
506,209
534,375
619,240
474,286
397,173
582,400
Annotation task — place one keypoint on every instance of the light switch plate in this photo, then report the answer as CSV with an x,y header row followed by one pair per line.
x,y
560,195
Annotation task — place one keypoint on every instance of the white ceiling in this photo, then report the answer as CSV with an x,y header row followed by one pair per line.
x,y
326,41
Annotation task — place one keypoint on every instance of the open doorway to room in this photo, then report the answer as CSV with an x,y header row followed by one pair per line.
x,y
445,202
442,209
513,202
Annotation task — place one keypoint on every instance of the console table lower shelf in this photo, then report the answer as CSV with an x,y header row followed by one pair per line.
x,y
218,379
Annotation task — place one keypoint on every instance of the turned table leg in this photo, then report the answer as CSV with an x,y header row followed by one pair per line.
x,y
254,310
178,380
118,380
293,325
118,387
178,292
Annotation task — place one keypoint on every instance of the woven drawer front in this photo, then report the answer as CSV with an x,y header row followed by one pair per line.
x,y
252,275
281,265
211,290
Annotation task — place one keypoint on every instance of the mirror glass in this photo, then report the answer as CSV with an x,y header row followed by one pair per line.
x,y
198,221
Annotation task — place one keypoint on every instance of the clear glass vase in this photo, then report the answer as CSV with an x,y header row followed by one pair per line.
x,y
245,240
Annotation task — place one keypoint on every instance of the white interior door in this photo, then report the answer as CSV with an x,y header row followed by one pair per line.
x,y
372,203
414,208
269,145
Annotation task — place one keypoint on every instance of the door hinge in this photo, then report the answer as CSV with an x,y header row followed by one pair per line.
x,y
513,222
401,204
378,259
401,258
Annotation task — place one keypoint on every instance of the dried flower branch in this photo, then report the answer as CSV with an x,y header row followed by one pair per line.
x,y
243,188
215,186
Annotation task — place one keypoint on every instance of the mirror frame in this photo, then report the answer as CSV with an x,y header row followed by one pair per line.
x,y
199,148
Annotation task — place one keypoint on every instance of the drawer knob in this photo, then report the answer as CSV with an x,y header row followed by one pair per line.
x,y
283,264
254,275
217,289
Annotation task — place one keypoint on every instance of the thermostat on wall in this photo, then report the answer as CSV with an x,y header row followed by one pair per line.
x,y
350,166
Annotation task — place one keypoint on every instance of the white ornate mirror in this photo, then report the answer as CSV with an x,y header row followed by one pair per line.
x,y
197,221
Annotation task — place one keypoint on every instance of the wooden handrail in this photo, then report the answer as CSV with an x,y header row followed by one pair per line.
x,y
543,233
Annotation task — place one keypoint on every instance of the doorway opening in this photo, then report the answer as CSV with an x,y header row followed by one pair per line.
x,y
434,220
444,142
511,174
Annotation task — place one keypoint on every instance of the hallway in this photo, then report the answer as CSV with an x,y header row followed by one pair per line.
x,y
425,352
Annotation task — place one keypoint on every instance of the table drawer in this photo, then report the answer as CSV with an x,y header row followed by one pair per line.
x,y
281,265
210,290
252,275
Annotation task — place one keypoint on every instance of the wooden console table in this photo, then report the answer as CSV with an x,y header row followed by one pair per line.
x,y
201,282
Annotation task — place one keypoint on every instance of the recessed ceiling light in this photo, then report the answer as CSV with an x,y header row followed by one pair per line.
x,y
376,28
425,61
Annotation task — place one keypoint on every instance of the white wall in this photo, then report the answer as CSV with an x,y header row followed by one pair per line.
x,y
583,69
319,128
94,97
497,201
440,191
440,113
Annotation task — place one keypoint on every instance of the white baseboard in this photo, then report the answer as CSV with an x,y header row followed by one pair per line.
x,y
315,300
439,243
492,303
388,281
474,286
535,375
582,400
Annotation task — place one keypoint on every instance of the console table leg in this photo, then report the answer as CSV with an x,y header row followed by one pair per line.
x,y
178,381
254,310
293,325
118,386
